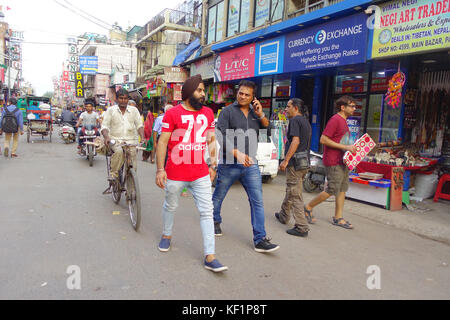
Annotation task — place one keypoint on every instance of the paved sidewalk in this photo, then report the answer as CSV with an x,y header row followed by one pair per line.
x,y
433,224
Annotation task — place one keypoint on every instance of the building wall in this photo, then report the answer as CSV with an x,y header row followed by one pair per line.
x,y
3,29
110,57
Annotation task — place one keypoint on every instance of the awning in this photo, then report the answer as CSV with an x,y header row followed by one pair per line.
x,y
187,53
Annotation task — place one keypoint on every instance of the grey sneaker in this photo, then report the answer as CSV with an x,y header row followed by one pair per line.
x,y
217,230
265,246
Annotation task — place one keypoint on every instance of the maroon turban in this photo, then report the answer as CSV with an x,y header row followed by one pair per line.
x,y
190,86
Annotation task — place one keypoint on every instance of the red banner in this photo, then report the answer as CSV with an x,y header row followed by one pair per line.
x,y
380,84
237,64
353,86
177,90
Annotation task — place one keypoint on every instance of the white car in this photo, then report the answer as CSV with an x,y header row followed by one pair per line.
x,y
267,157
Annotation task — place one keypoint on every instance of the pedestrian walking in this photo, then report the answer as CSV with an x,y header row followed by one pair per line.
x,y
296,165
157,128
148,135
11,123
239,125
186,130
336,138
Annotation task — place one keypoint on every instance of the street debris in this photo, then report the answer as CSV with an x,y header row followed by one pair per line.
x,y
417,209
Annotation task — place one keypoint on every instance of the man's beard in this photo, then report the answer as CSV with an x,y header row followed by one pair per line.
x,y
197,104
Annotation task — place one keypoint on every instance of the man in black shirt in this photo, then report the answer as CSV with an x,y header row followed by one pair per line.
x,y
299,137
237,133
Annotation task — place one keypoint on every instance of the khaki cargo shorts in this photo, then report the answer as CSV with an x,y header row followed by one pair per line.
x,y
337,177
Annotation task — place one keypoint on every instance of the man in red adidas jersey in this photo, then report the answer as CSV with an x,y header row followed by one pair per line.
x,y
186,131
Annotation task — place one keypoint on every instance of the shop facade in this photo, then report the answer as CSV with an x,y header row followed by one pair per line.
x,y
301,64
347,56
162,89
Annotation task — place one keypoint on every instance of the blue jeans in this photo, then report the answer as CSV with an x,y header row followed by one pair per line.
x,y
202,191
250,178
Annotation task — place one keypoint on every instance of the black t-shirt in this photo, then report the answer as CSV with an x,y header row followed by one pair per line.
x,y
299,127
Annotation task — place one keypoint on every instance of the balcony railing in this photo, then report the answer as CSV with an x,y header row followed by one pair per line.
x,y
173,17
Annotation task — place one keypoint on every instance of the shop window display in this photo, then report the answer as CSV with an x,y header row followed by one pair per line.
x,y
350,84
383,121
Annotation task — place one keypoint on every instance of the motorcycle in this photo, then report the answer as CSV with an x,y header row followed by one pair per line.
x,y
68,133
316,176
88,134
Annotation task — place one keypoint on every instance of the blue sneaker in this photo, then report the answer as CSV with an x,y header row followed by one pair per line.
x,y
164,245
215,266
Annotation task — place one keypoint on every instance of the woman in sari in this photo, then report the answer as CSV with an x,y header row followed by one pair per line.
x,y
148,133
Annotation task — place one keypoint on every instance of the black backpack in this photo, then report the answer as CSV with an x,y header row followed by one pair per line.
x,y
9,121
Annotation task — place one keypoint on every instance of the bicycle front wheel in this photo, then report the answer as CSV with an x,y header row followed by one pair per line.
x,y
134,199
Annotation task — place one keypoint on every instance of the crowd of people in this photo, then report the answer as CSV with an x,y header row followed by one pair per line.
x,y
178,138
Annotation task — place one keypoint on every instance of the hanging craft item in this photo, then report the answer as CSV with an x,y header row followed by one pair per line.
x,y
394,94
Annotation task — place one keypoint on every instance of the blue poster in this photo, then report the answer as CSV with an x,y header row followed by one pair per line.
x,y
337,43
89,65
269,57
354,124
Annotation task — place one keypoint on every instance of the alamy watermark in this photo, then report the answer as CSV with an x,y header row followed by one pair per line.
x,y
74,280
374,280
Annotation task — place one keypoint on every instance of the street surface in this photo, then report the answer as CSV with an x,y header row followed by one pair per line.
x,y
53,216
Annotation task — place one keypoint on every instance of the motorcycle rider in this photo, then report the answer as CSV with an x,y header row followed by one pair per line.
x,y
67,116
122,123
89,117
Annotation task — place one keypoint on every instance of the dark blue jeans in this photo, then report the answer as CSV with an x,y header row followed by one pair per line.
x,y
250,178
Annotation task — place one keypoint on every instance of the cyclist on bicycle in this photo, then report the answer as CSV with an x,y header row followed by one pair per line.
x,y
122,123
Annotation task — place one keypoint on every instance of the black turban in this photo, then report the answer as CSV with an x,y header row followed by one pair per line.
x,y
190,86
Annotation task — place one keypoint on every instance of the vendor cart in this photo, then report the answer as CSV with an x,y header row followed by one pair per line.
x,y
41,125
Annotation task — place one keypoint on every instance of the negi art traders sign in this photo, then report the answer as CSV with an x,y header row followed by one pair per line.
x,y
411,26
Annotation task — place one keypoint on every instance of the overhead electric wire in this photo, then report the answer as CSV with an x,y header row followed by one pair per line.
x,y
46,43
70,9
90,15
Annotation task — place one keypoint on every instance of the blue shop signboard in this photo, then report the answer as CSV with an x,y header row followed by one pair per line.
x,y
89,65
269,56
337,43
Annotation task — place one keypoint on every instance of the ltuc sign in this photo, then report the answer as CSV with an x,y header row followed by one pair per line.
x,y
237,64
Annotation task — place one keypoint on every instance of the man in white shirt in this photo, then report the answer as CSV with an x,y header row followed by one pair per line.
x,y
122,123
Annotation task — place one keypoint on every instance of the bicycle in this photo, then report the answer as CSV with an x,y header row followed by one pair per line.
x,y
126,183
